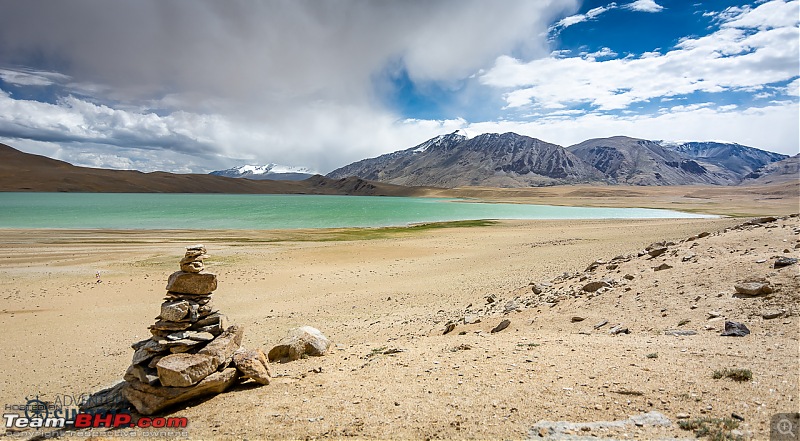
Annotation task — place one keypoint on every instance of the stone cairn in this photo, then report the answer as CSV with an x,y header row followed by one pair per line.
x,y
193,351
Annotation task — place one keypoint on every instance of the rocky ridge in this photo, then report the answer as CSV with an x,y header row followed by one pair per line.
x,y
512,160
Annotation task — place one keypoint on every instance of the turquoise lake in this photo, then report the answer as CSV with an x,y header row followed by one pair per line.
x,y
226,211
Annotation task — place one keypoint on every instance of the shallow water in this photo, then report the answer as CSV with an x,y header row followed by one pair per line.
x,y
228,211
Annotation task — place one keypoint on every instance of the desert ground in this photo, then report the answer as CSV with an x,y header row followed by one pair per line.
x,y
385,296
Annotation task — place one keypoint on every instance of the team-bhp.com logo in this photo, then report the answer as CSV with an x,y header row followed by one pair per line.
x,y
87,420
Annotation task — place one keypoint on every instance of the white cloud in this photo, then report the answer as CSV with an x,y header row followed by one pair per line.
x,y
269,81
30,77
644,6
580,18
731,58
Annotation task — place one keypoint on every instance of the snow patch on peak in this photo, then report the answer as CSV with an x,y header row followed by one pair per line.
x,y
457,136
255,169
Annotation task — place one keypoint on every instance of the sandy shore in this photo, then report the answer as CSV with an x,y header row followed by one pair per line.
x,y
65,334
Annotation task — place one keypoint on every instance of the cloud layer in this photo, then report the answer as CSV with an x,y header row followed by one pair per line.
x,y
201,85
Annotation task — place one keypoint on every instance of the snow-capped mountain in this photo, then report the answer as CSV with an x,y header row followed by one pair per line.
x,y
269,171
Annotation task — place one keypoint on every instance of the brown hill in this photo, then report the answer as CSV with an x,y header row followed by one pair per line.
x,y
21,171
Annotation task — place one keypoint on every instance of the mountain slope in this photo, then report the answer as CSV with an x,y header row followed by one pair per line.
x,y
787,170
26,172
496,160
635,161
735,157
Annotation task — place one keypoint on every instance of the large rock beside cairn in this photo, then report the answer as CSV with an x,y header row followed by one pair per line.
x,y
192,345
299,342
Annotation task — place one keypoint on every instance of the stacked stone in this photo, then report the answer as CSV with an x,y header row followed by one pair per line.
x,y
192,346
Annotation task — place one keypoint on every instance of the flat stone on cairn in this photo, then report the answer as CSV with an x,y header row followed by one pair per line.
x,y
191,345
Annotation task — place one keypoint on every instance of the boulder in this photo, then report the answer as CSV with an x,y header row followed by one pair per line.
x,y
594,286
781,262
735,329
182,282
252,364
301,341
502,325
182,370
753,288
149,399
222,348
655,252
771,314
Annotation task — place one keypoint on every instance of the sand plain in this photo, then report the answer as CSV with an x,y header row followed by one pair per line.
x,y
372,290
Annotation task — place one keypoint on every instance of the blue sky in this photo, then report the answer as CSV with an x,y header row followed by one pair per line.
x,y
194,86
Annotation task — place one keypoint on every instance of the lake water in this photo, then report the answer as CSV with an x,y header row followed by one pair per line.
x,y
226,211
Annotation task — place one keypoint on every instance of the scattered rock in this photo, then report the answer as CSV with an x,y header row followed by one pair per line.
x,y
252,364
680,332
592,266
753,288
714,314
619,329
594,286
491,298
771,314
448,328
735,329
781,262
600,324
703,234
471,319
655,252
628,276
565,430
688,256
301,341
502,325
682,416
536,288
577,318
511,306
661,267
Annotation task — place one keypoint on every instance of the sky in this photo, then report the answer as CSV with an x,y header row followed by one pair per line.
x,y
200,85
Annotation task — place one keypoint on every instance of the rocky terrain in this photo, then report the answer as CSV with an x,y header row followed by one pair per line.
x,y
511,160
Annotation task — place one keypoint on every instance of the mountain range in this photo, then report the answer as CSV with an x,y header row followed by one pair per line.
x,y
512,160
270,171
21,171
